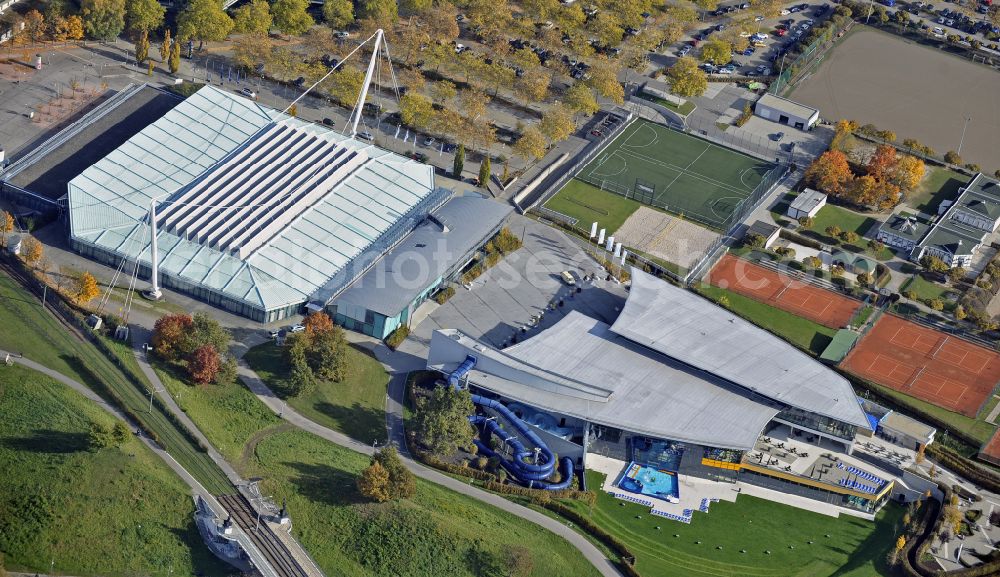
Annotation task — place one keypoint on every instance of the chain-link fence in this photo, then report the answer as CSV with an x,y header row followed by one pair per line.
x,y
790,72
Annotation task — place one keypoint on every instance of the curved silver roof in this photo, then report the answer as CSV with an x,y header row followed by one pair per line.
x,y
579,368
693,330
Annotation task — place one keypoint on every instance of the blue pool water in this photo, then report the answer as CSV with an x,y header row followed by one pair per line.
x,y
649,481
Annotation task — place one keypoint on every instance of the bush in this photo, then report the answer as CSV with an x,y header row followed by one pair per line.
x,y
936,304
806,221
397,337
444,294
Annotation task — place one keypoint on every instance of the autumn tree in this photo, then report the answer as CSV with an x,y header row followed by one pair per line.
x,y
31,250
882,162
203,20
830,173
254,18
165,46
204,365
174,63
604,79
531,144
716,50
443,91
85,288
6,226
338,13
382,11
170,334
402,483
952,157
34,25
103,19
932,263
142,48
317,322
686,79
143,15
580,99
251,49
416,110
373,483
291,17
533,85
908,173
345,84
557,123
68,28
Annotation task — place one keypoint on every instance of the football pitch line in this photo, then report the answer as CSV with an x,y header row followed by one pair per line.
x,y
696,175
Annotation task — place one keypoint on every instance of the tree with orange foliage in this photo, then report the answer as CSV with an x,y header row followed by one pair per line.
x,y
317,323
170,334
86,288
830,173
882,163
204,365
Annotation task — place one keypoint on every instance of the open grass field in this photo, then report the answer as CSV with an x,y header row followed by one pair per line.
x,y
936,367
587,204
113,512
855,547
355,407
926,289
437,532
862,80
801,332
938,184
29,329
679,173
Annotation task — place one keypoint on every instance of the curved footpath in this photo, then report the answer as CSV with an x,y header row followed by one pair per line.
x,y
394,420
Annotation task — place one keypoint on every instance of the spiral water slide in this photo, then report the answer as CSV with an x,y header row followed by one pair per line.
x,y
530,467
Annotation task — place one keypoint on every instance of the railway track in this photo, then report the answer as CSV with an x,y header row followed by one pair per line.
x,y
276,553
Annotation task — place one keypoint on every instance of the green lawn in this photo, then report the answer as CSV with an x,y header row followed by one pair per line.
x,y
938,184
29,329
355,407
926,289
685,109
437,532
847,220
228,415
713,543
588,204
801,332
117,511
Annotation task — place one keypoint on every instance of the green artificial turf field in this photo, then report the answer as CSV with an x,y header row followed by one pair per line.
x,y
677,172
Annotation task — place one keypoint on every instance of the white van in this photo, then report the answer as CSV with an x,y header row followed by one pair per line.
x,y
568,278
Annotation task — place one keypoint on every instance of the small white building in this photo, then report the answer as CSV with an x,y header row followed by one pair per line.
x,y
806,204
784,111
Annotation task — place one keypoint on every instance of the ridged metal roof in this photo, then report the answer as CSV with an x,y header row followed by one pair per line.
x,y
342,198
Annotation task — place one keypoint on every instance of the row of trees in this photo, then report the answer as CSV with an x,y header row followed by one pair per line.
x,y
198,343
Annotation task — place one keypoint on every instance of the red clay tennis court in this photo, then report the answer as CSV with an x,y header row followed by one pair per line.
x,y
927,364
784,292
991,451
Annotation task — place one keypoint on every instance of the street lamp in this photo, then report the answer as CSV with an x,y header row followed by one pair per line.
x,y
961,142
150,393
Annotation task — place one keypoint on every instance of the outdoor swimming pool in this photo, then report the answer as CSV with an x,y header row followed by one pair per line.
x,y
649,481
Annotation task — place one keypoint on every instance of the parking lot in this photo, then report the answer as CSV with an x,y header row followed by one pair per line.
x,y
524,291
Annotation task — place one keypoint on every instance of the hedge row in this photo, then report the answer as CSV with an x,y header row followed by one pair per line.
x,y
800,239
588,497
397,337
959,465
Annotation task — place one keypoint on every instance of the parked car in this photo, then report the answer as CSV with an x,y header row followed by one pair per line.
x,y
450,147
329,122
247,93
429,141
341,34
297,328
777,136
365,135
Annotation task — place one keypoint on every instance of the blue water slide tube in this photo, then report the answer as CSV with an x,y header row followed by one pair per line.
x,y
525,467
455,378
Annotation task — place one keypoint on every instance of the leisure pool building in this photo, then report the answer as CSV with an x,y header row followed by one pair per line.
x,y
261,213
677,385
